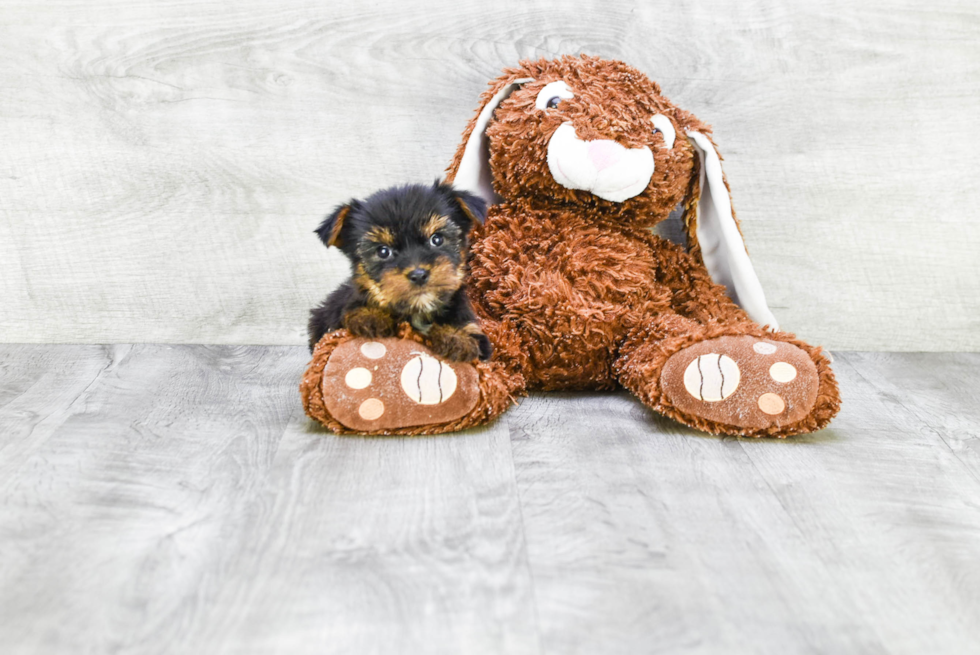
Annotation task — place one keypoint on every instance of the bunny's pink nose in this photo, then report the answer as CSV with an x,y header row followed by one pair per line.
x,y
605,153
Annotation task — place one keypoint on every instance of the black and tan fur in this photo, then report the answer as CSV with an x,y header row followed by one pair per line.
x,y
408,249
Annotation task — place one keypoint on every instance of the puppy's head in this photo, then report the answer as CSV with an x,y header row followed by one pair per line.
x,y
407,245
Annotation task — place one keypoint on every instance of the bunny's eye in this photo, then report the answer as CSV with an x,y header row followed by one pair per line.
x,y
552,94
663,125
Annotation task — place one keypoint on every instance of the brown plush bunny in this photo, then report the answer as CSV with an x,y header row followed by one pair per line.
x,y
580,157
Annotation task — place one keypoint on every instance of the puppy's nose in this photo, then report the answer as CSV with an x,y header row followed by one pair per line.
x,y
419,276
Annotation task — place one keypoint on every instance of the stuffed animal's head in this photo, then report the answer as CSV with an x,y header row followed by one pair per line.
x,y
597,137
586,131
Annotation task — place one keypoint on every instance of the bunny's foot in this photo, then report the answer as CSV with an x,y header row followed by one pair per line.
x,y
762,384
397,385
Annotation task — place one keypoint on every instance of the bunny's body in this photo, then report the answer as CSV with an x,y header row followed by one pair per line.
x,y
570,288
583,156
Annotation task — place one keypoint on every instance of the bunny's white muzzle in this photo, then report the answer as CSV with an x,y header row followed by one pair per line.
x,y
604,168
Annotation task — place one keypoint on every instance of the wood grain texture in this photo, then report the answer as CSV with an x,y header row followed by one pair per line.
x,y
380,545
174,499
117,525
644,536
164,163
180,502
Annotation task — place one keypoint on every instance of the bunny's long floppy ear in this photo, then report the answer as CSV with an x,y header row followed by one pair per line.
x,y
470,171
716,233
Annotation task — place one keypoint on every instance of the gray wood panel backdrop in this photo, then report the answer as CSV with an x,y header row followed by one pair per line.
x,y
162,164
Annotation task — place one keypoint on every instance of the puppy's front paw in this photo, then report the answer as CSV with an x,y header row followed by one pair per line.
x,y
370,322
486,348
455,344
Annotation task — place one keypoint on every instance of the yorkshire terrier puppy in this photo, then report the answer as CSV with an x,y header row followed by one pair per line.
x,y
407,248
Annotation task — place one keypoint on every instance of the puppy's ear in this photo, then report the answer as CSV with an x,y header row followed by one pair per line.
x,y
469,209
329,230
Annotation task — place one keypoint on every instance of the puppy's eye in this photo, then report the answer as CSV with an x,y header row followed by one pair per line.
x,y
552,94
436,240
384,252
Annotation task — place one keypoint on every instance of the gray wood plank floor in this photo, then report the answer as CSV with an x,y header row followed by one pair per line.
x,y
174,499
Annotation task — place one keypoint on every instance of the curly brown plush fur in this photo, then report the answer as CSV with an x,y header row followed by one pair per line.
x,y
589,297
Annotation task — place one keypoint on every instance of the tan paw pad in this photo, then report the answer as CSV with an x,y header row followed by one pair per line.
x,y
371,409
771,404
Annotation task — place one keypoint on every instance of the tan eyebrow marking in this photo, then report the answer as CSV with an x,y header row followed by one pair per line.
x,y
381,235
434,224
